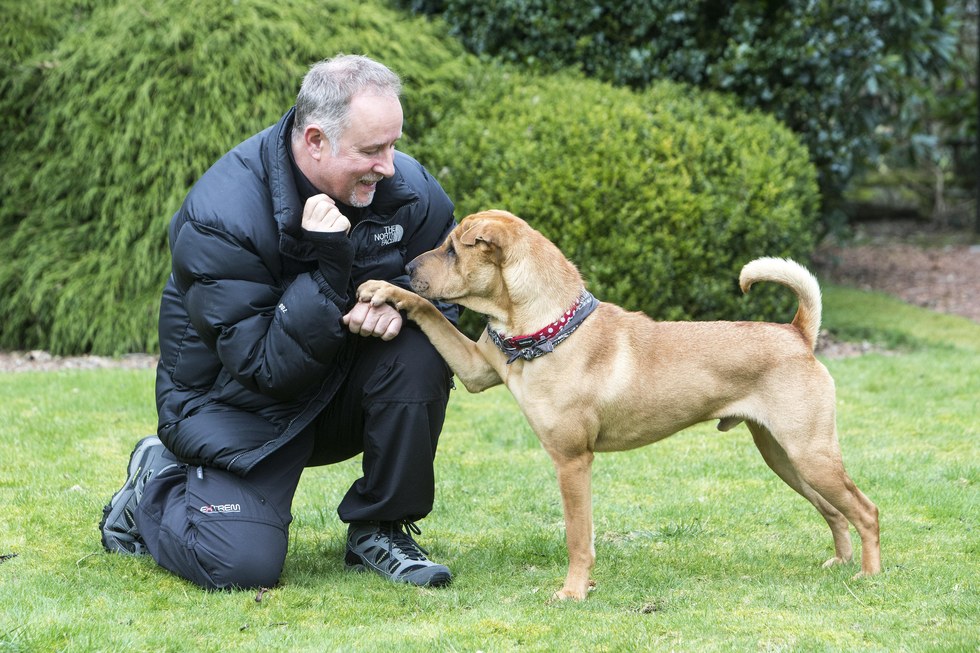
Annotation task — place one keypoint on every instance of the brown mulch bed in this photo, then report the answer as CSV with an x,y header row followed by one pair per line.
x,y
939,270
42,361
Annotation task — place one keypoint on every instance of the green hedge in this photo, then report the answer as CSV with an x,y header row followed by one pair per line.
x,y
659,197
128,109
835,72
30,28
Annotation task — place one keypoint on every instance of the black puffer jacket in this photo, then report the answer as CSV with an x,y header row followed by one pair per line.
x,y
251,339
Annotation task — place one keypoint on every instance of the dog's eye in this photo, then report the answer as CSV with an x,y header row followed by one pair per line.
x,y
450,250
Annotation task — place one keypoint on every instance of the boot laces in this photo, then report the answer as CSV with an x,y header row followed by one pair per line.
x,y
400,536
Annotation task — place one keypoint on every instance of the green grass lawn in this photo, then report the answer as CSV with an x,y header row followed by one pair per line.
x,y
700,547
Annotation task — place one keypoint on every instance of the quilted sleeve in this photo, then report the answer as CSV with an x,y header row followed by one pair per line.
x,y
274,338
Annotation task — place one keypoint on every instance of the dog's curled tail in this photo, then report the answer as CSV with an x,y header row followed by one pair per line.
x,y
799,280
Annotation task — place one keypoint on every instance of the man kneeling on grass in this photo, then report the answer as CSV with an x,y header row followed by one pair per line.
x,y
263,371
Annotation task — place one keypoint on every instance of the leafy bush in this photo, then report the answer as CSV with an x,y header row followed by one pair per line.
x,y
832,71
660,197
117,119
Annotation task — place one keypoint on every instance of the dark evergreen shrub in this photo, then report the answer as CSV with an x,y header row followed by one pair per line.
x,y
659,197
28,30
106,129
833,71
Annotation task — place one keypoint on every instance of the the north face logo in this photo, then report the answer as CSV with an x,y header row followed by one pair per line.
x,y
389,235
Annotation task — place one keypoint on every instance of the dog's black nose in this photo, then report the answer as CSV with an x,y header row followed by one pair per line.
x,y
410,268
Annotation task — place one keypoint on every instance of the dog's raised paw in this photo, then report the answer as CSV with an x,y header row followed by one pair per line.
x,y
375,292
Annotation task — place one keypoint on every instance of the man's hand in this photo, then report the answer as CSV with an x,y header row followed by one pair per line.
x,y
321,214
381,321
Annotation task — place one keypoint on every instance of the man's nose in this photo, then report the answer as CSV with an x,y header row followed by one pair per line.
x,y
385,164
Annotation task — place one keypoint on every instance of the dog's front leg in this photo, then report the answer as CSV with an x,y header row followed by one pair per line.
x,y
575,484
460,353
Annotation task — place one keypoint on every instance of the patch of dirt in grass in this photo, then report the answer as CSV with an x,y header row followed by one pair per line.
x,y
829,347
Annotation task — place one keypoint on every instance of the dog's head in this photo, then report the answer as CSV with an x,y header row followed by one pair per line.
x,y
492,261
468,267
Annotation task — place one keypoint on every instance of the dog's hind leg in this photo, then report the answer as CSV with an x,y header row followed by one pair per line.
x,y
817,462
775,456
824,471
575,484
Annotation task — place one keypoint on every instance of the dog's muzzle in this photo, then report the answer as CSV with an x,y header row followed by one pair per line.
x,y
418,285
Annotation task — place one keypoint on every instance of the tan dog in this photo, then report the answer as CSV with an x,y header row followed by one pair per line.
x,y
636,380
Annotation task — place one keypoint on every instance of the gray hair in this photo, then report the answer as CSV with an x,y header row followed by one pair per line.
x,y
329,86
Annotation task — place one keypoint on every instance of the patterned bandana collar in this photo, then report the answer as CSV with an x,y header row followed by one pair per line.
x,y
544,341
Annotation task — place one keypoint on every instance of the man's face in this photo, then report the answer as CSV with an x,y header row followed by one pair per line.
x,y
365,153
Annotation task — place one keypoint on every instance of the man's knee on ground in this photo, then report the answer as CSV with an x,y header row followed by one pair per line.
x,y
244,562
235,536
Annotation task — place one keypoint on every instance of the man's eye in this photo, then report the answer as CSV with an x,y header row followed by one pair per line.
x,y
374,151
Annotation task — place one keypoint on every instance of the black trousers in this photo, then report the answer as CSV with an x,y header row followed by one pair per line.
x,y
220,530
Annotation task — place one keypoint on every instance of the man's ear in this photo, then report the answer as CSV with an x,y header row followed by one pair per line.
x,y
315,141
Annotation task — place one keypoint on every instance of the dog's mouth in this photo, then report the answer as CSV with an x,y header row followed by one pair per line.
x,y
418,284
420,287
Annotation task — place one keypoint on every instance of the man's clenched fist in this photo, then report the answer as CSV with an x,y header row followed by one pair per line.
x,y
321,214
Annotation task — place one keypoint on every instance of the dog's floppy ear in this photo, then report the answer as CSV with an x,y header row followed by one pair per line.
x,y
491,231
481,232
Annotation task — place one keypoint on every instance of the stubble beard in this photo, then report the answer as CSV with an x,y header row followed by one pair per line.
x,y
356,201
